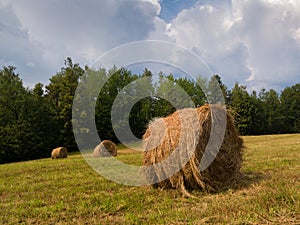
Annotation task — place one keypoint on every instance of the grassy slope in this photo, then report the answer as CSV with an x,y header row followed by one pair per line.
x,y
68,191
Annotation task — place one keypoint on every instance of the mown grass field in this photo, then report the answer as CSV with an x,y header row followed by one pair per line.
x,y
69,191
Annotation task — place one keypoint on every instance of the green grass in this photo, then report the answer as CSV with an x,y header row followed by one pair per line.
x,y
68,191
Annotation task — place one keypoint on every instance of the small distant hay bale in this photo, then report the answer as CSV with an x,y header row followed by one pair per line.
x,y
164,136
105,149
60,152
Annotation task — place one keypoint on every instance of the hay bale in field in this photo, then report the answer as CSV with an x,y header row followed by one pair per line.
x,y
186,134
105,149
60,152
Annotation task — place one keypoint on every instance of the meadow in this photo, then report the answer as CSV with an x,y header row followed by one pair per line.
x,y
69,191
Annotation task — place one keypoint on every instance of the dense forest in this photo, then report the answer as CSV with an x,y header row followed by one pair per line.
x,y
35,120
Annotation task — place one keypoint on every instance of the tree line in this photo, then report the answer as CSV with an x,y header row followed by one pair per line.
x,y
35,120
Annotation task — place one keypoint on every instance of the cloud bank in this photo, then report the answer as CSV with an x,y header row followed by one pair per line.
x,y
253,42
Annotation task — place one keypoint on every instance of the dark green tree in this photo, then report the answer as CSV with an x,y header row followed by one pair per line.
x,y
217,90
117,80
142,111
25,120
193,90
245,110
60,93
272,118
290,109
12,96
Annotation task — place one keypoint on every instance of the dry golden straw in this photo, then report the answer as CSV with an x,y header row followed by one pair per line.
x,y
105,149
60,152
160,141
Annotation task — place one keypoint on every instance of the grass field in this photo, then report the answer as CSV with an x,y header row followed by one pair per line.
x,y
68,191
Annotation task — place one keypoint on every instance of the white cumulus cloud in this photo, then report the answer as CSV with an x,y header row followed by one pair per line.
x,y
83,30
253,42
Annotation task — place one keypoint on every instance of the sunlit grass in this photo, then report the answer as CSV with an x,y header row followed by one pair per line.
x,y
69,191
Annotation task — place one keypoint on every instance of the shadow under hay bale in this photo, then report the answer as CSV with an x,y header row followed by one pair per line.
x,y
166,136
60,152
105,149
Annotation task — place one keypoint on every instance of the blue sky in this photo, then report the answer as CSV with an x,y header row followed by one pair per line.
x,y
253,42
170,8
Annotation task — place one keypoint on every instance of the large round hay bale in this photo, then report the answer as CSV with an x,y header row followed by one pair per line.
x,y
60,152
162,138
105,149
